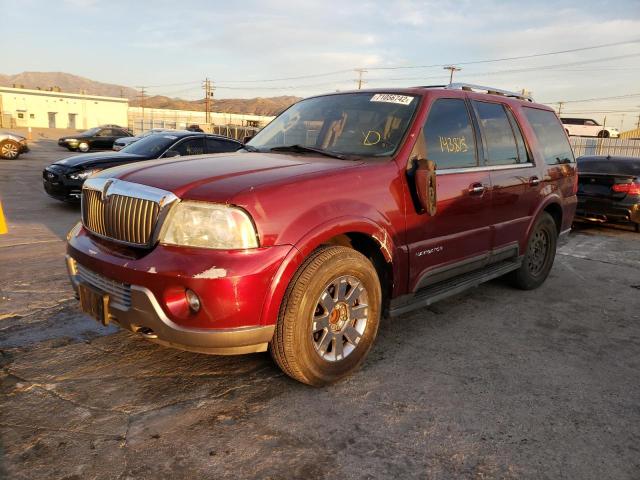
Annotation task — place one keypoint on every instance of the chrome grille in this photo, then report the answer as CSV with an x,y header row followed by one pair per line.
x,y
123,211
119,293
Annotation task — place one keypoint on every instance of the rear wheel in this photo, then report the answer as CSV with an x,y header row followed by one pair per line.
x,y
603,134
541,251
329,317
83,147
9,150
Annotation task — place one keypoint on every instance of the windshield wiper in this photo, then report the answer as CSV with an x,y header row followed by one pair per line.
x,y
303,148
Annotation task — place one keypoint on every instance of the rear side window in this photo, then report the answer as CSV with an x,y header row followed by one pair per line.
x,y
551,136
193,146
498,134
449,135
217,146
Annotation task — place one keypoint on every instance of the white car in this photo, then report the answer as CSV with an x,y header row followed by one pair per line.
x,y
587,127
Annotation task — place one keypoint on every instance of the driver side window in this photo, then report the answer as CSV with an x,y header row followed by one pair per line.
x,y
449,137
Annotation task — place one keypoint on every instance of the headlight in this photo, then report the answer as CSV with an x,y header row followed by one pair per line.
x,y
71,140
208,225
83,174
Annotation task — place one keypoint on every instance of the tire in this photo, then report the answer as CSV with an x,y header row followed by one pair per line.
x,y
603,134
83,147
301,346
9,150
541,251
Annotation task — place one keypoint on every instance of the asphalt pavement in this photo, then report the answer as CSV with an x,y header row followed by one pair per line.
x,y
492,383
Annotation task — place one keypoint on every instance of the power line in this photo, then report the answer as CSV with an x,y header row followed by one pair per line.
x,y
441,65
617,97
452,68
360,81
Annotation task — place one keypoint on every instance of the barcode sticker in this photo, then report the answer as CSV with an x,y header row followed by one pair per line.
x,y
392,98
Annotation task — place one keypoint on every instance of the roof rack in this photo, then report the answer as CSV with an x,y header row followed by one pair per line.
x,y
490,90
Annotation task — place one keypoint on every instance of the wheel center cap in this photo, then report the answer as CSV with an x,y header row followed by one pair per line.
x,y
339,316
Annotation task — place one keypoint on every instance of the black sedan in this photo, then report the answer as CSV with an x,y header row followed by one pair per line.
x,y
63,180
96,138
609,190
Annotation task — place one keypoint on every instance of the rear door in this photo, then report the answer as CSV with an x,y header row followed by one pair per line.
x,y
515,183
457,238
104,138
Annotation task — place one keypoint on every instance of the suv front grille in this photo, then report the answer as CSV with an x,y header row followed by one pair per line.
x,y
122,211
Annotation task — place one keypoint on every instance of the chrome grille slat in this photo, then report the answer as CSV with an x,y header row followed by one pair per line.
x,y
119,293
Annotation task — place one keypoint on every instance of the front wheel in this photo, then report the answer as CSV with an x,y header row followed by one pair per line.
x,y
83,147
603,134
9,150
329,317
541,251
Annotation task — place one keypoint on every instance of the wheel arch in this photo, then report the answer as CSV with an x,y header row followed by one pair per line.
x,y
360,234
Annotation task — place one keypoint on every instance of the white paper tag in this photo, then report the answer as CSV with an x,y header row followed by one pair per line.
x,y
392,98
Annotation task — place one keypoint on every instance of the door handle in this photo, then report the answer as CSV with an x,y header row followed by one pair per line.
x,y
534,181
477,189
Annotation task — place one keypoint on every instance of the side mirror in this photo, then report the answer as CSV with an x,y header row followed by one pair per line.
x,y
171,153
247,138
425,175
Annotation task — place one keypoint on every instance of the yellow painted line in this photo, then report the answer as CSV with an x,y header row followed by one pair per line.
x,y
3,222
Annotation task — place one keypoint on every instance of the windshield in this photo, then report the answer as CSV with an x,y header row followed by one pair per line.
x,y
362,124
150,146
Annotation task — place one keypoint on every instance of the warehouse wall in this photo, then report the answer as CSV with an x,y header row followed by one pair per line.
x,y
43,109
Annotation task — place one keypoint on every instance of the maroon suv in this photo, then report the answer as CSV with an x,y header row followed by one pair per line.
x,y
346,208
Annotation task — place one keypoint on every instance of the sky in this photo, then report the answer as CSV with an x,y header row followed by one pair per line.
x,y
264,48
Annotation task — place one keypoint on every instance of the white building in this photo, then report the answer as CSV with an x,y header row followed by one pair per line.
x,y
20,107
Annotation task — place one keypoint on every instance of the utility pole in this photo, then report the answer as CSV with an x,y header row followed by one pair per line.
x,y
452,68
560,107
208,98
141,96
360,82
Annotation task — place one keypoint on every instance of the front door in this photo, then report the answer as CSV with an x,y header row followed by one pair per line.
x,y
52,119
72,121
457,238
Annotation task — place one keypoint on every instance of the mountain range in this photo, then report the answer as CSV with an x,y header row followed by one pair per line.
x,y
69,83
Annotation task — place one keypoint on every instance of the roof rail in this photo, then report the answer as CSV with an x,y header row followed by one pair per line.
x,y
489,90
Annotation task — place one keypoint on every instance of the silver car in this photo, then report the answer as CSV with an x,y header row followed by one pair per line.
x,y
12,145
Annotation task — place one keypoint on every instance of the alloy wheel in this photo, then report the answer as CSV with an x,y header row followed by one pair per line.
x,y
9,150
340,318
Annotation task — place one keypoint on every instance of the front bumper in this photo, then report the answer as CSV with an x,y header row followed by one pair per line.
x,y
57,186
145,317
232,287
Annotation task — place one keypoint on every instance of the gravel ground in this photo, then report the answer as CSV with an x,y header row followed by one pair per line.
x,y
493,383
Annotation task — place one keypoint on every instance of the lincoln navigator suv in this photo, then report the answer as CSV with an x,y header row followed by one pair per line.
x,y
346,209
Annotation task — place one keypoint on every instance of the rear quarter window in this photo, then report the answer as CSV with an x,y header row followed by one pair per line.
x,y
551,136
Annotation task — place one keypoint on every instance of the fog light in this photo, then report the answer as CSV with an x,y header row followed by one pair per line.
x,y
192,300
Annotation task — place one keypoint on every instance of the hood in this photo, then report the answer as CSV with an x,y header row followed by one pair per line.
x,y
220,177
92,159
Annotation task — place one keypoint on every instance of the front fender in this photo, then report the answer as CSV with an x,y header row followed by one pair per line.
x,y
316,237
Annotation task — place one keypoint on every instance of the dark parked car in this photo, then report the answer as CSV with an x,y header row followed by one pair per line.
x,y
63,180
609,189
12,145
345,208
96,138
120,143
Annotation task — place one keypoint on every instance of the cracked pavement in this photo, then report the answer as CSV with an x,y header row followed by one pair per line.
x,y
493,383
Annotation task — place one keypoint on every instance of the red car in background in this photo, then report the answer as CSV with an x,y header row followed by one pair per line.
x,y
346,208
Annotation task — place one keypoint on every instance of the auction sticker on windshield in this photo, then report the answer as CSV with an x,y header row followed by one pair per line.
x,y
392,98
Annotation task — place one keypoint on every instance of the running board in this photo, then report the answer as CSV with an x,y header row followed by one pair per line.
x,y
426,296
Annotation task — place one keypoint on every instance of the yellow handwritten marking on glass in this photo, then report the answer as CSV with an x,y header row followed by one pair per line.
x,y
453,144
371,138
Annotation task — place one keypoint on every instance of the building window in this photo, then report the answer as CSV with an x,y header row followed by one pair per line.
x,y
31,115
21,115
